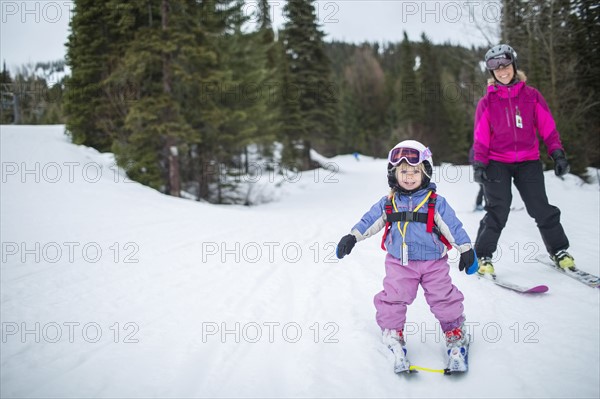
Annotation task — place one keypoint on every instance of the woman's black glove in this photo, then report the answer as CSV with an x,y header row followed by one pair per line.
x,y
345,246
561,166
480,173
468,262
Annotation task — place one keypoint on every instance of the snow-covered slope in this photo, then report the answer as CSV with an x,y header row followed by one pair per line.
x,y
110,289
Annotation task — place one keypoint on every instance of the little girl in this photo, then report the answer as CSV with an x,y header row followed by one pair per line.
x,y
420,227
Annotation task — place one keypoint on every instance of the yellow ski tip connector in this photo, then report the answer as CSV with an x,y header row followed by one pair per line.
x,y
419,368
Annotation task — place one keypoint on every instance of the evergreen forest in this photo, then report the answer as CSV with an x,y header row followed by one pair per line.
x,y
188,93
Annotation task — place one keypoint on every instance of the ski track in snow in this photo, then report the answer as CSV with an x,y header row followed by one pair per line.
x,y
197,268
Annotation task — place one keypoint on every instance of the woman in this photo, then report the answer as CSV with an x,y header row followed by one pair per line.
x,y
507,150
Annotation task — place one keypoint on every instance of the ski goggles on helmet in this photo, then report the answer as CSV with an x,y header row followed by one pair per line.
x,y
411,155
503,60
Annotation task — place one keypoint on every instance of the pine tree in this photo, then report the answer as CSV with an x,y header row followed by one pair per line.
x,y
86,55
224,126
162,63
310,95
200,82
406,105
267,35
7,98
456,78
351,137
584,23
269,61
432,113
366,81
293,127
243,96
99,33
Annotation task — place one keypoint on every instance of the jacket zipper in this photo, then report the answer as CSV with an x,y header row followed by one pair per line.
x,y
513,127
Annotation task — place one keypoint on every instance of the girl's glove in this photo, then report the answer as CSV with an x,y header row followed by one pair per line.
x,y
468,262
345,246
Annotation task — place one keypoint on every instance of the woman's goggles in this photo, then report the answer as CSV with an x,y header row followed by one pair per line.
x,y
411,155
494,63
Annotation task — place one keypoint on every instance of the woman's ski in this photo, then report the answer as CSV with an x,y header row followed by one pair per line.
x,y
538,289
586,278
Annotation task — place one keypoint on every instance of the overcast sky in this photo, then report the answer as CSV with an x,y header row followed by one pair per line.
x,y
33,31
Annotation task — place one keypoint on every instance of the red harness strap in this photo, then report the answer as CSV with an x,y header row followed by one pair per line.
x,y
430,226
431,223
431,211
388,210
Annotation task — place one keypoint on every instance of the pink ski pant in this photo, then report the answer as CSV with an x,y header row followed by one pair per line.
x,y
400,289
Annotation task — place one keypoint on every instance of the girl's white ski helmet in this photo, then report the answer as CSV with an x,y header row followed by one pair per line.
x,y
412,152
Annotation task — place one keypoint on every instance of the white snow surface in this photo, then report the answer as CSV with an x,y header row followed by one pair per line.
x,y
111,289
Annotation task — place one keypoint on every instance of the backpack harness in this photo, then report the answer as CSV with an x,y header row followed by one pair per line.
x,y
413,216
